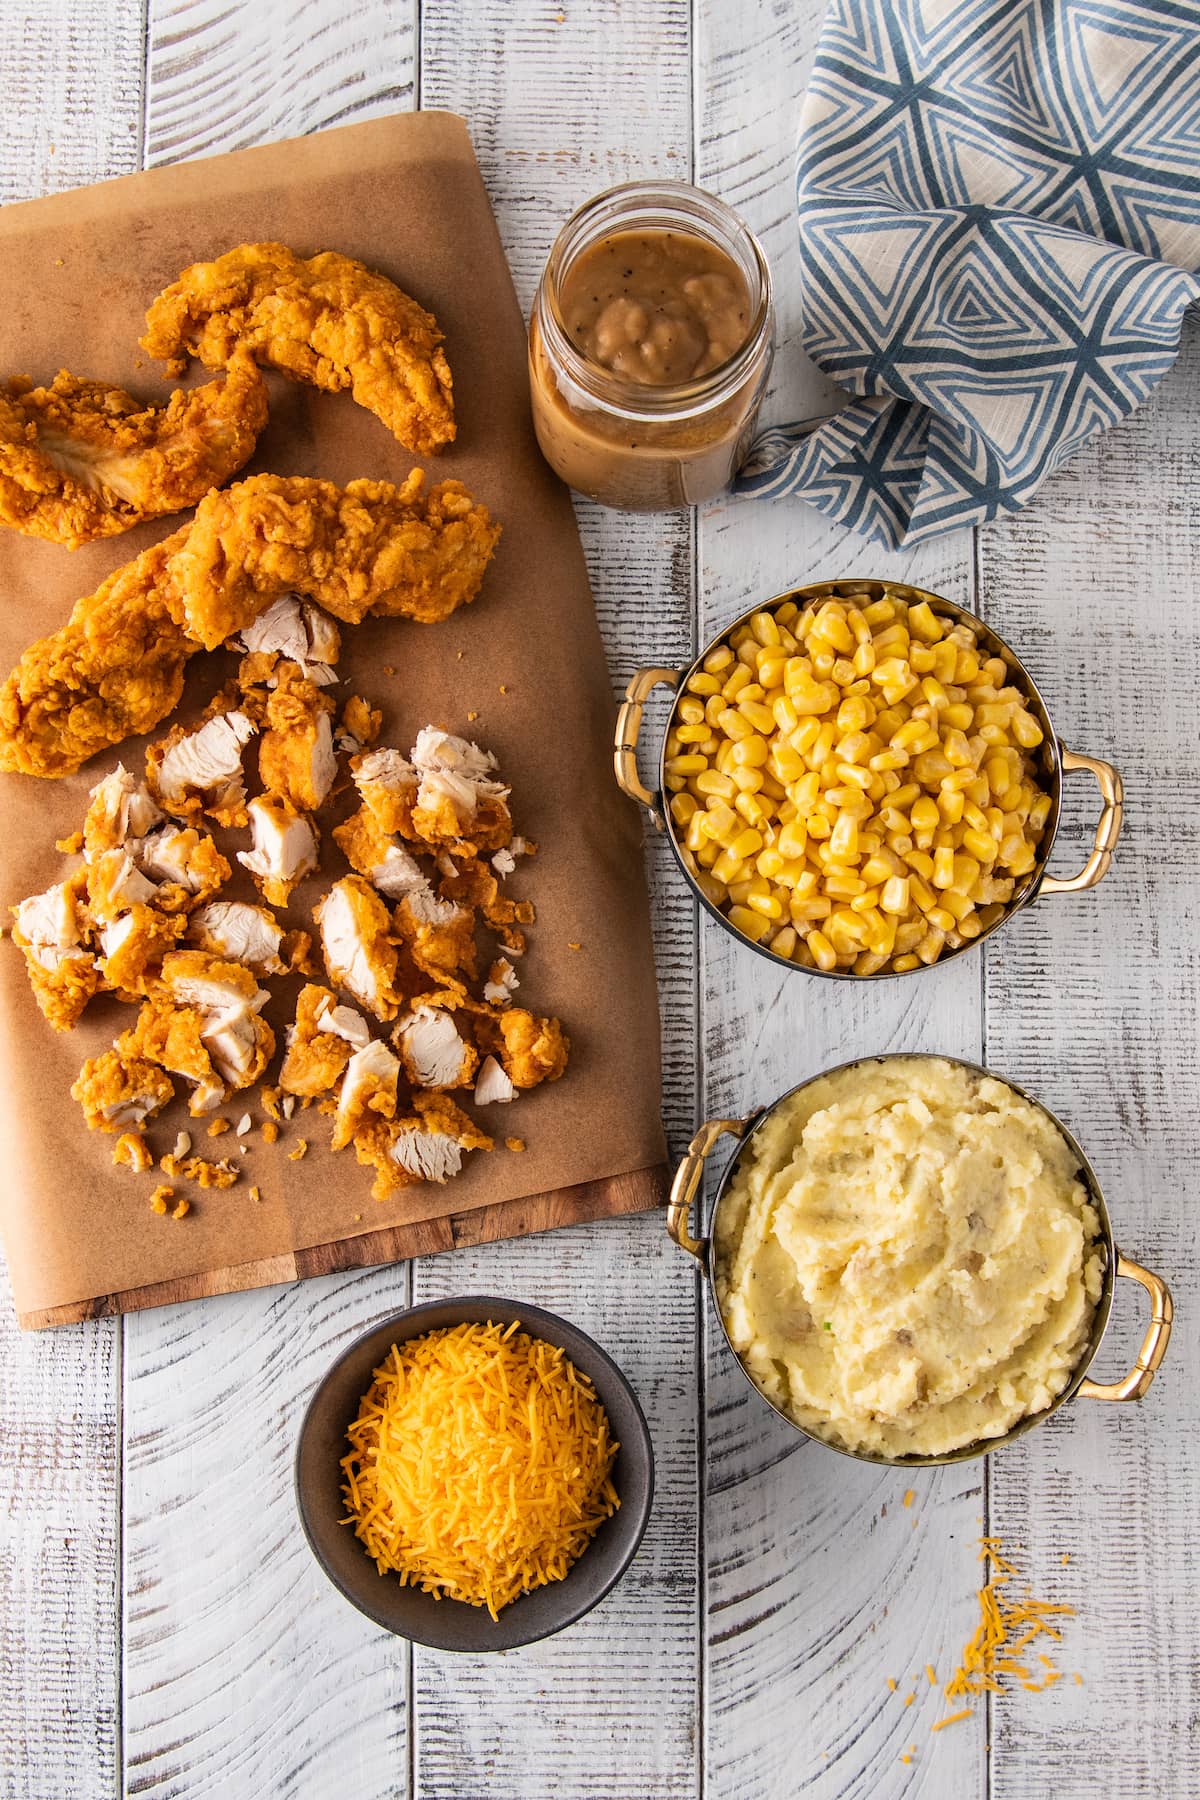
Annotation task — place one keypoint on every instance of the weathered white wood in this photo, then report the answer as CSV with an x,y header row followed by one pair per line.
x,y
1094,1007
820,1584
609,1708
246,1675
70,97
221,76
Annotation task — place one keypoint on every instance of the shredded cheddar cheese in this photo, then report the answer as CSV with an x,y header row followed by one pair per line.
x,y
1005,1628
480,1464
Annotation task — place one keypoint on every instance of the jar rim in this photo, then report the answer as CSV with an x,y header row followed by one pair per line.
x,y
617,208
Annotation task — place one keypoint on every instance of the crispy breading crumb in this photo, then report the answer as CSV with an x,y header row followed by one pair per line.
x,y
198,1169
471,717
256,1194
132,1150
182,1208
327,1106
161,1195
306,1102
270,1131
70,846
169,1165
300,1151
573,946
389,670
358,1218
503,688
514,1143
217,1126
270,1099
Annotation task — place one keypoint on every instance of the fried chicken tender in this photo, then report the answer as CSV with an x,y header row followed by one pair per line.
x,y
368,1087
119,1089
116,668
439,934
113,671
52,931
531,1050
426,1146
321,1042
358,946
370,547
81,460
134,946
328,321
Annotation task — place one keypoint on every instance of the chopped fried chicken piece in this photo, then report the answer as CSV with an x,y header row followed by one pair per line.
x,y
502,982
458,801
297,630
439,934
49,929
114,884
358,726
241,933
133,947
360,953
530,1049
428,1146
388,784
81,460
285,847
320,1042
476,885
200,770
186,862
121,807
117,1090
433,1053
132,1151
375,854
328,321
204,1024
368,1086
493,1086
116,668
296,756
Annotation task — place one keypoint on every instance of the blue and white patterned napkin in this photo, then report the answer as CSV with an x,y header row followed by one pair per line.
x,y
999,206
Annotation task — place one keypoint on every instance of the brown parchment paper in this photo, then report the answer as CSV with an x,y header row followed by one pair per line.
x,y
76,273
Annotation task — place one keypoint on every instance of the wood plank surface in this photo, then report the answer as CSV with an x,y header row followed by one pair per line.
x,y
1093,1005
70,97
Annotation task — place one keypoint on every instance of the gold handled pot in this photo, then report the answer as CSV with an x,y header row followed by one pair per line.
x,y
1056,761
686,1187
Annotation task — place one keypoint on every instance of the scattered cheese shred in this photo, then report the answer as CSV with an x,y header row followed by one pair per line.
x,y
909,1497
480,1464
1005,1627
952,1719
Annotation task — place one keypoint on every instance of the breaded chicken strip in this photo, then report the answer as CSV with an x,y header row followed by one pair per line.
x,y
428,1145
116,668
113,671
328,321
81,460
369,547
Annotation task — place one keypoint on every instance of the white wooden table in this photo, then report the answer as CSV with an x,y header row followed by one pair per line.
x,y
163,1629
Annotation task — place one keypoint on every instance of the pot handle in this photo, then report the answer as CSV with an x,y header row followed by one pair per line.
x,y
629,724
1154,1344
1107,831
687,1182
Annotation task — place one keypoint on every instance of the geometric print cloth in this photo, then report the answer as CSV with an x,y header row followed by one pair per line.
x,y
999,209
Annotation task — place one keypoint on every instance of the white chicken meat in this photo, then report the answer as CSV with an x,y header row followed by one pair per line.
x,y
206,763
369,1085
241,932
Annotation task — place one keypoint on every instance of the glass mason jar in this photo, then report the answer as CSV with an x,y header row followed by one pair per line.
x,y
621,442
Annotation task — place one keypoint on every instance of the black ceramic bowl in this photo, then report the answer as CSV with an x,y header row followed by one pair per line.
x,y
450,1624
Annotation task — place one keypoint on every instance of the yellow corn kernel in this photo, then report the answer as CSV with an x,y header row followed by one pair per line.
x,y
713,784
703,684
751,924
786,763
766,906
1022,860
739,677
1039,812
822,747
943,867
941,917
770,789
959,716
864,659
718,658
751,752
747,843
784,713
902,964
1026,730
909,933
880,612
784,942
763,625
751,809
893,637
819,827
708,855
920,863
823,953
843,840
895,896
924,623
692,734
734,726
760,716
697,836
720,821
686,765
810,909
683,806
980,844
853,714
925,815
951,804
727,867
830,624
792,842
746,781
771,664
691,711
930,946
959,905
924,896
714,891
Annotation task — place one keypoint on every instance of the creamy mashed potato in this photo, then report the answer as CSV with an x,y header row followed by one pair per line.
x,y
907,1258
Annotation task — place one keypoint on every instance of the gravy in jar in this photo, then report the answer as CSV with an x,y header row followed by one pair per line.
x,y
656,307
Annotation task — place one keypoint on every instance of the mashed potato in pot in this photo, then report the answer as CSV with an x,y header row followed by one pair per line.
x,y
907,1259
